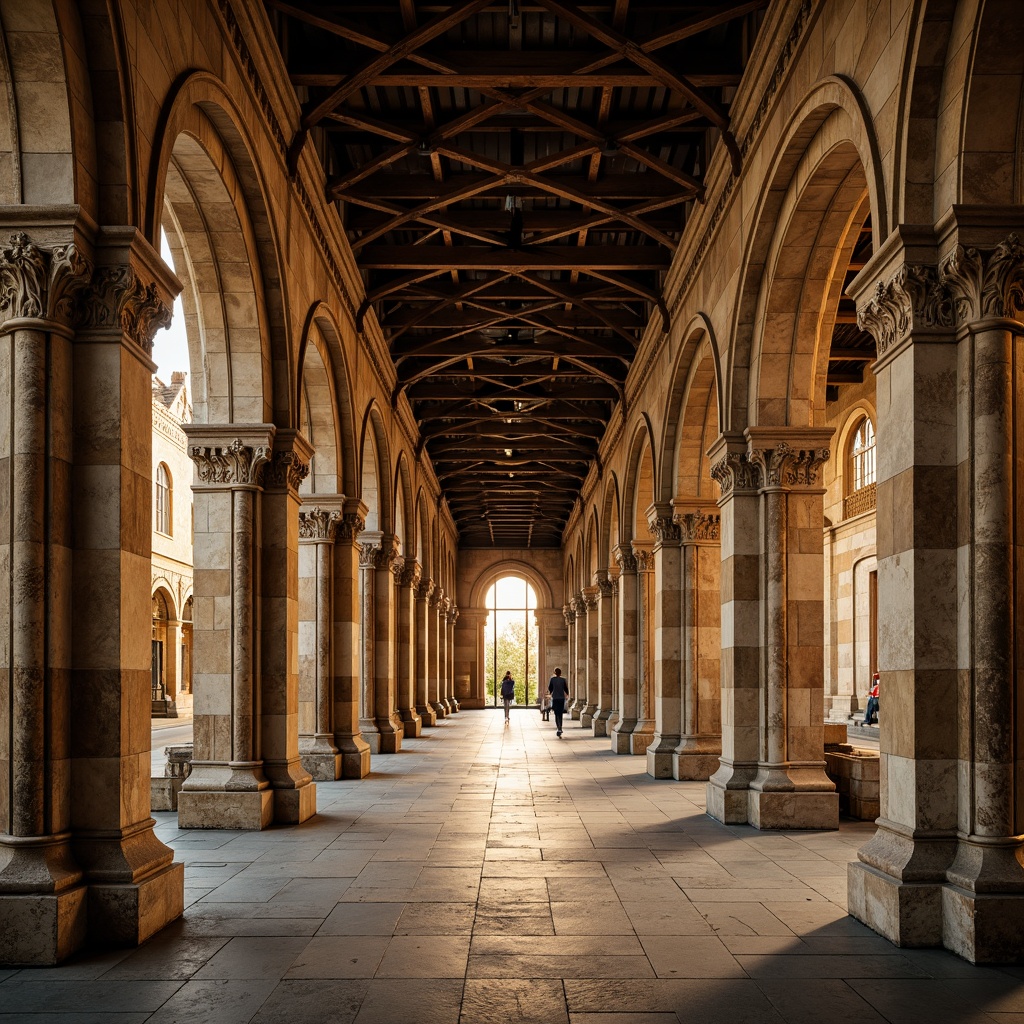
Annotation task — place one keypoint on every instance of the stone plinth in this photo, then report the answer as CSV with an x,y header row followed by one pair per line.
x,y
855,774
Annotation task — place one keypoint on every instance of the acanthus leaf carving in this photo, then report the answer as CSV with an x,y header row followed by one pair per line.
x,y
699,525
782,465
625,559
350,526
914,298
120,300
665,528
318,524
986,283
236,463
411,572
735,472
36,282
287,470
425,588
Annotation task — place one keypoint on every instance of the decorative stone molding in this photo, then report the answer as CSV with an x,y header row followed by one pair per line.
x,y
236,463
41,283
119,299
698,526
425,588
625,559
986,283
318,523
410,573
287,470
912,299
735,472
782,465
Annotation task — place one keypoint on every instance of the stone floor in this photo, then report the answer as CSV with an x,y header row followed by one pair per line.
x,y
503,875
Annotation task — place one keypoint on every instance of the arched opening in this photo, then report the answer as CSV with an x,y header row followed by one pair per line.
x,y
511,640
164,655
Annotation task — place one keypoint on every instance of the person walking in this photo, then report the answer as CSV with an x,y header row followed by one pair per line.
x,y
508,692
559,690
872,708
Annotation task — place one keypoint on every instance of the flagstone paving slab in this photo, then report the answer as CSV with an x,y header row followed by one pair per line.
x,y
494,876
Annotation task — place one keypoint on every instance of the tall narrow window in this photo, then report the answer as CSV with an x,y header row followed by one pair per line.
x,y
163,500
860,491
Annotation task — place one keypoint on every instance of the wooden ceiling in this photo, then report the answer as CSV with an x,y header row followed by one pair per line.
x,y
514,176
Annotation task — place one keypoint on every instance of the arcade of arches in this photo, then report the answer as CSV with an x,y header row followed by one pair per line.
x,y
749,433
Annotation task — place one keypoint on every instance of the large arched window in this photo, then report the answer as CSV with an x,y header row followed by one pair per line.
x,y
510,638
162,502
861,472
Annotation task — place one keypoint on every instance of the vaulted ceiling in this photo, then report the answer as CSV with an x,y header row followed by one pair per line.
x,y
514,177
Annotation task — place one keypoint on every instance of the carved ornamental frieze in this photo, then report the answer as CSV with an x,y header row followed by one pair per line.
x,y
783,465
318,523
42,283
235,463
698,526
986,283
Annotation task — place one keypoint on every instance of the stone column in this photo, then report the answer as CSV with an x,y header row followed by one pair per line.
x,y
424,652
589,687
627,695
134,888
700,744
434,663
227,787
570,638
469,656
643,732
385,690
293,787
453,699
408,581
443,654
320,755
369,556
791,789
983,901
42,899
578,668
348,652
738,480
172,662
605,654
896,888
667,580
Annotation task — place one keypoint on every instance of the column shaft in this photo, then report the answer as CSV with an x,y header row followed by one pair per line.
x,y
627,694
408,581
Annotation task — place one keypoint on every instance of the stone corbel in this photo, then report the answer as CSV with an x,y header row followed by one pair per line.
x,y
986,283
41,283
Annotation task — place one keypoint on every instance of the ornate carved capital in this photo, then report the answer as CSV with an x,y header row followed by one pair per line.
x,y
625,559
425,588
568,614
236,463
912,299
43,283
411,573
698,525
663,524
287,470
782,465
371,556
986,282
350,525
318,523
591,596
735,472
644,558
436,596
453,615
119,299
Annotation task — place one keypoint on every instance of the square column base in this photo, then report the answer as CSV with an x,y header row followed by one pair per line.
x,y
428,716
412,725
600,724
294,806
41,930
620,740
792,809
587,720
659,763
639,741
355,757
985,928
439,709
694,767
906,913
729,806
128,914
250,810
322,767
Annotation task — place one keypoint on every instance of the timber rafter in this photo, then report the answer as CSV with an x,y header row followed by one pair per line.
x,y
513,177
